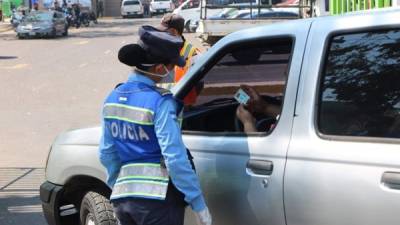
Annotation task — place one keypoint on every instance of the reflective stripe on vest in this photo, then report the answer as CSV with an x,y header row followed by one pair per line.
x,y
166,86
186,50
191,97
142,180
128,113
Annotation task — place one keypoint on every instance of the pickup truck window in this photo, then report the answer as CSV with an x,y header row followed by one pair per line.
x,y
261,65
360,85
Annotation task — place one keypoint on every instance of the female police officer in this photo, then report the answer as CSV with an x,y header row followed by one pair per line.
x,y
141,145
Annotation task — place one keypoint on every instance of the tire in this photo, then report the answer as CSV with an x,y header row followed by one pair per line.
x,y
95,208
187,26
65,33
193,30
53,33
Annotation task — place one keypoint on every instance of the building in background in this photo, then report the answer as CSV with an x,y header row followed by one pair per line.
x,y
6,6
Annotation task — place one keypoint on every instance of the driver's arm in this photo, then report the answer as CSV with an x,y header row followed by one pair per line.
x,y
247,119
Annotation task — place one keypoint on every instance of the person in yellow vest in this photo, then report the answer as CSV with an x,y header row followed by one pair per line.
x,y
174,24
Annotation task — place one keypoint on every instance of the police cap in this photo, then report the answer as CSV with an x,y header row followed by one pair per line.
x,y
154,47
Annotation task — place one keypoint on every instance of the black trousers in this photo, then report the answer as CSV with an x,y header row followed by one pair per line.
x,y
138,211
132,211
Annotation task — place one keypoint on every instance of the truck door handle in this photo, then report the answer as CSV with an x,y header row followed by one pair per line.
x,y
391,180
261,168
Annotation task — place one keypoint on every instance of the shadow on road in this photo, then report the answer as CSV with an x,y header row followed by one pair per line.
x,y
19,196
101,33
7,57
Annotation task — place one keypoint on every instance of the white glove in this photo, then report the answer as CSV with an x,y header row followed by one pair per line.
x,y
204,217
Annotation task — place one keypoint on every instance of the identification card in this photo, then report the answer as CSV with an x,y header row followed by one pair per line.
x,y
242,97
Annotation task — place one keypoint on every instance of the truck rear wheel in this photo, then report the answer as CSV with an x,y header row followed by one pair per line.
x,y
96,210
187,27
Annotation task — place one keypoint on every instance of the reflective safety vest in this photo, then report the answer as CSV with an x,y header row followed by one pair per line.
x,y
142,180
129,117
187,52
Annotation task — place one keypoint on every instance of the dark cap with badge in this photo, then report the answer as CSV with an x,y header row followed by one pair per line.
x,y
171,20
154,47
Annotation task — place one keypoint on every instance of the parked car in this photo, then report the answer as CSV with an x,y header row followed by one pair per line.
x,y
265,13
131,8
270,14
43,24
161,6
224,13
331,156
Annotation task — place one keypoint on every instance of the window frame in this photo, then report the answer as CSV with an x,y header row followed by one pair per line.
x,y
206,67
321,75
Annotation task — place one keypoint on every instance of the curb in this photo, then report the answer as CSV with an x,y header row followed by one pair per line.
x,y
5,28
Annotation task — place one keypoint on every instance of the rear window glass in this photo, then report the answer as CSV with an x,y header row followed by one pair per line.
x,y
131,3
360,86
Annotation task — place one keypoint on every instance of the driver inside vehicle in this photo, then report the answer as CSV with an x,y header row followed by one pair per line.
x,y
256,107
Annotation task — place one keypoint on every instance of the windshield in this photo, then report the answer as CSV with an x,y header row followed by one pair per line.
x,y
131,3
34,17
191,4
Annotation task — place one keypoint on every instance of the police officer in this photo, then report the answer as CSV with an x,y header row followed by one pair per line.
x,y
174,24
141,145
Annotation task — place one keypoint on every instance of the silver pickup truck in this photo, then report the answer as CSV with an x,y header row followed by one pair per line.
x,y
330,157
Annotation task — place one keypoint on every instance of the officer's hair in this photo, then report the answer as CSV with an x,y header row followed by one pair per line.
x,y
141,67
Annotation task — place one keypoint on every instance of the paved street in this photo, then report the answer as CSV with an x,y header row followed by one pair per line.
x,y
49,86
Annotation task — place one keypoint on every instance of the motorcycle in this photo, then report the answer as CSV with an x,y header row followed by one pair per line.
x,y
87,17
85,20
16,18
72,20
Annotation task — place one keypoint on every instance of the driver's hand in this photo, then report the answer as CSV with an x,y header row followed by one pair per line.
x,y
256,103
248,120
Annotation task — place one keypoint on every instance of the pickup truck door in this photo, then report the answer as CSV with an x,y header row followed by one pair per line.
x,y
242,175
343,162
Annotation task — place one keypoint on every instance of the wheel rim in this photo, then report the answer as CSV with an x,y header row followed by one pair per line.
x,y
90,219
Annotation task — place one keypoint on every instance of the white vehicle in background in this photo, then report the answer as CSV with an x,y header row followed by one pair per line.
x,y
132,8
190,11
161,6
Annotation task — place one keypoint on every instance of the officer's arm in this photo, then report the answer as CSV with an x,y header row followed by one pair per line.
x,y
109,156
170,140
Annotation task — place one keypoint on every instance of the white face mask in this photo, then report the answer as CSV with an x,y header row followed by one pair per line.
x,y
165,76
168,77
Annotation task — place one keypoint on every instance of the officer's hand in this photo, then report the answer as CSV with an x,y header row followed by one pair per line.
x,y
204,217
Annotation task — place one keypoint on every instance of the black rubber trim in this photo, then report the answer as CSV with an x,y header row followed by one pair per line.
x,y
50,195
391,180
45,191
